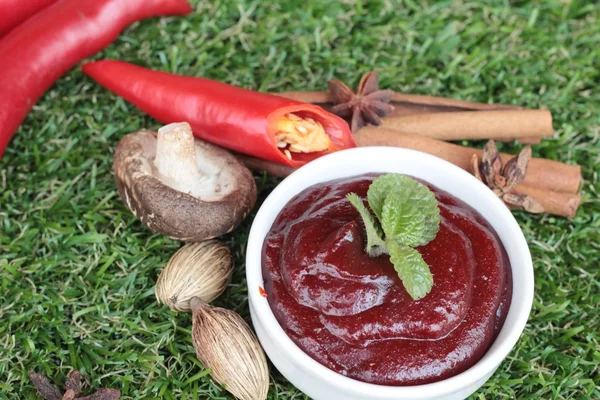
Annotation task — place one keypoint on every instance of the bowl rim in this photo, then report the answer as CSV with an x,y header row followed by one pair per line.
x,y
486,365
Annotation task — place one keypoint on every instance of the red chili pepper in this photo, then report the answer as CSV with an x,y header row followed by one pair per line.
x,y
40,50
16,11
242,120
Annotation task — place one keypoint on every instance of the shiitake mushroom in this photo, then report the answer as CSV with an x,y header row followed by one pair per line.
x,y
180,186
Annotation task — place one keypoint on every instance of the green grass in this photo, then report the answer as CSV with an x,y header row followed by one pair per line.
x,y
77,270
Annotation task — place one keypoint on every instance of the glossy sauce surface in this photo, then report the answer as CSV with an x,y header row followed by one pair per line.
x,y
351,313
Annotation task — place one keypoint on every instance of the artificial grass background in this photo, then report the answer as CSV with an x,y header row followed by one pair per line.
x,y
77,270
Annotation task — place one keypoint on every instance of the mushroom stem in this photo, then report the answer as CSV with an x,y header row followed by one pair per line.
x,y
176,158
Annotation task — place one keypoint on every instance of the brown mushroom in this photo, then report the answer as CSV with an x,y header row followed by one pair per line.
x,y
182,187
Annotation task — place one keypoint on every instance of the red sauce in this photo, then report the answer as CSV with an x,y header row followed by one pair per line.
x,y
351,313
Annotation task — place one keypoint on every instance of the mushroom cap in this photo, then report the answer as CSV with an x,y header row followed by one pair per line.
x,y
179,215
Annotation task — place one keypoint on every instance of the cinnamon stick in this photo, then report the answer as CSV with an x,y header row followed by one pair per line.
x,y
408,99
434,101
270,167
557,203
542,173
414,106
498,124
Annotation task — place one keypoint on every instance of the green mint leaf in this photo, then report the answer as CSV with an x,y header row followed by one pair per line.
x,y
402,222
375,244
379,189
409,212
407,216
412,269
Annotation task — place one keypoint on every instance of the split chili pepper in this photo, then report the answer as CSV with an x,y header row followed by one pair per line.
x,y
16,11
262,125
40,50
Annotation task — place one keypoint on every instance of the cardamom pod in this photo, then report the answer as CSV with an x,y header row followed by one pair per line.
x,y
224,343
502,179
516,169
491,163
200,270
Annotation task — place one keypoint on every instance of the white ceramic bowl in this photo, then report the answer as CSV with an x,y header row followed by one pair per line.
x,y
321,383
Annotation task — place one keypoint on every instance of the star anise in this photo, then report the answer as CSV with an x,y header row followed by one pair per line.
x,y
49,391
367,105
502,179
